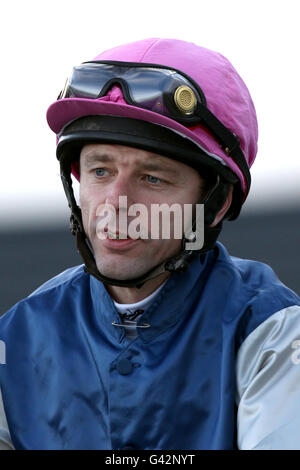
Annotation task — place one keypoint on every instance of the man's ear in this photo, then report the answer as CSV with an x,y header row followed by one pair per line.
x,y
224,209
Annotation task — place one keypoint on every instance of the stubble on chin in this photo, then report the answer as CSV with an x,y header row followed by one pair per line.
x,y
132,265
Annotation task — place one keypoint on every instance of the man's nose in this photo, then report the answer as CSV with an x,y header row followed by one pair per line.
x,y
120,190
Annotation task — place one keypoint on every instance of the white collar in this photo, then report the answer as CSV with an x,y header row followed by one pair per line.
x,y
141,305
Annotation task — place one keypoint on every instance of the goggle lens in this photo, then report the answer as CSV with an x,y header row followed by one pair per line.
x,y
160,90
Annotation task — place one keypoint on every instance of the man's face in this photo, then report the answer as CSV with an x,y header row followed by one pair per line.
x,y
110,171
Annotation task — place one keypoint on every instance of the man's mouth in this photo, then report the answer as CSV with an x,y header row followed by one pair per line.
x,y
117,236
118,241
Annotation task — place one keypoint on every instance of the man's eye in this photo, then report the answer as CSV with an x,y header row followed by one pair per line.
x,y
100,171
153,179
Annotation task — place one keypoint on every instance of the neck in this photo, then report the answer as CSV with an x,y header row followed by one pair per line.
x,y
130,295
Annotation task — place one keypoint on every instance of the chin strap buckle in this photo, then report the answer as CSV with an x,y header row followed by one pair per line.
x,y
75,225
180,264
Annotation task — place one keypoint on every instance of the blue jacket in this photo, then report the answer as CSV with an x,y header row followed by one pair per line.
x,y
72,380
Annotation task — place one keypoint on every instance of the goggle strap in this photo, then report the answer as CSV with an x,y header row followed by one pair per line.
x,y
229,141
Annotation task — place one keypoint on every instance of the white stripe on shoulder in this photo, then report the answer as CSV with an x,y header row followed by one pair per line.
x,y
5,439
268,383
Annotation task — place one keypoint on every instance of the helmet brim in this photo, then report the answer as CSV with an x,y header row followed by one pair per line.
x,y
62,112
139,134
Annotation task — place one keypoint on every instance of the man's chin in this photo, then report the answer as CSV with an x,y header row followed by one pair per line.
x,y
131,264
123,273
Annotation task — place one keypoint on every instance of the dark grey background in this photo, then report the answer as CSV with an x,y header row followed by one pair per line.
x,y
30,257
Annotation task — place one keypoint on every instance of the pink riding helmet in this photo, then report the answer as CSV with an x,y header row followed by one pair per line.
x,y
226,95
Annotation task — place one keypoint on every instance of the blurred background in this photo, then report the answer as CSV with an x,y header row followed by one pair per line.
x,y
40,44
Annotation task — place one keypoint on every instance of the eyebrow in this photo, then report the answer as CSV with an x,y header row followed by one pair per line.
x,y
92,158
159,166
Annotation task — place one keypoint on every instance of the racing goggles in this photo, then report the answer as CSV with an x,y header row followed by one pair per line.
x,y
156,88
152,87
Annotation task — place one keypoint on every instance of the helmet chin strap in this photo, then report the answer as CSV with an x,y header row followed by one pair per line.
x,y
179,262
